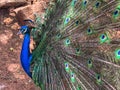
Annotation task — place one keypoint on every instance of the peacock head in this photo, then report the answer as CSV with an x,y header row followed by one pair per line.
x,y
24,29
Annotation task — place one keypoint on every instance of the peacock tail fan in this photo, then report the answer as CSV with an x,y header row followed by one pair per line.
x,y
78,46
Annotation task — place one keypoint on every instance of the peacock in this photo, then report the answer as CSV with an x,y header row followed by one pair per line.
x,y
77,46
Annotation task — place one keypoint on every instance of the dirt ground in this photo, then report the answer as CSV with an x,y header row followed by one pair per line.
x,y
12,76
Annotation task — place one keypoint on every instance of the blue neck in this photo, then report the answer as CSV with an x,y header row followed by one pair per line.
x,y
25,54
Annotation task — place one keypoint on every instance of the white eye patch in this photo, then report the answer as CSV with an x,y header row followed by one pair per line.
x,y
24,30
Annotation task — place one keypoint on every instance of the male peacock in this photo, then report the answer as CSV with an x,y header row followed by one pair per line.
x,y
77,46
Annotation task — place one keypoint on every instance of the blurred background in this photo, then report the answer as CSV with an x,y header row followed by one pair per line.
x,y
12,14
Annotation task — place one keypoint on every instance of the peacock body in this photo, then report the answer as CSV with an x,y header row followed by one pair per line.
x,y
77,46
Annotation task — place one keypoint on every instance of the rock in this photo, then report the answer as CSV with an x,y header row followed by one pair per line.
x,y
15,26
11,3
23,13
39,7
11,49
28,11
12,13
7,21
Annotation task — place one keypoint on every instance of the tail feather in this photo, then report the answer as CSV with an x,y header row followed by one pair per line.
x,y
78,46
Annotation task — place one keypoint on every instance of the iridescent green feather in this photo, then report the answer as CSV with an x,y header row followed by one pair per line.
x,y
78,46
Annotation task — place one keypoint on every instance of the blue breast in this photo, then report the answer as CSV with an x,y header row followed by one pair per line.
x,y
26,56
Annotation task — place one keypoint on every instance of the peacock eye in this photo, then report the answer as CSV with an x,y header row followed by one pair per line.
x,y
72,75
67,41
67,20
77,50
118,52
98,77
89,31
66,65
58,35
89,62
77,22
67,68
103,36
116,12
74,1
97,4
85,2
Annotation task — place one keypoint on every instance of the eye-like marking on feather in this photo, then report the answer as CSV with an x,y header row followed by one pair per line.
x,y
104,38
98,79
97,4
67,67
72,77
73,2
66,20
116,12
89,31
58,36
84,3
77,22
89,63
117,54
67,41
77,50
